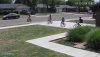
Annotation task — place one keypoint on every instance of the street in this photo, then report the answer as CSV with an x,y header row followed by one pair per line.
x,y
42,18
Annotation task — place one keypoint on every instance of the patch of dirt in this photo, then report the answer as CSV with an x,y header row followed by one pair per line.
x,y
80,45
6,42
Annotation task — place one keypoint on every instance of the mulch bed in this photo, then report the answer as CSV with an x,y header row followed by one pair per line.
x,y
79,45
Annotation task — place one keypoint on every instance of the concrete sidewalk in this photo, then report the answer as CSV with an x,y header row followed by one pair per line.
x,y
69,25
45,43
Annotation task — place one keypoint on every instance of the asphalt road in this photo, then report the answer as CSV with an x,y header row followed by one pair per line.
x,y
55,17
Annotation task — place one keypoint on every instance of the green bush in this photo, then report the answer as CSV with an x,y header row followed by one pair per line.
x,y
93,39
78,34
4,12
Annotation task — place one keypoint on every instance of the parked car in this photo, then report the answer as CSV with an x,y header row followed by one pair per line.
x,y
11,16
24,12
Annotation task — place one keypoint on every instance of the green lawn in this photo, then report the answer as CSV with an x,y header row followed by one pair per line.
x,y
12,42
1,16
64,41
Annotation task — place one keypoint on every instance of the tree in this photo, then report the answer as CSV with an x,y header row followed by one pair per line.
x,y
46,2
81,3
52,6
5,1
60,2
30,3
19,1
50,3
70,3
96,10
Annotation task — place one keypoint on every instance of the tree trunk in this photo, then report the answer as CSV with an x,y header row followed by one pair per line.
x,y
33,9
47,7
98,19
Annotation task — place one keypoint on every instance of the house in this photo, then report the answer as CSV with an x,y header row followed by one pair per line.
x,y
42,8
13,7
20,7
64,8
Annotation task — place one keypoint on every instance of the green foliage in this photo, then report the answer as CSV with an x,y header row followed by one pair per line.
x,y
31,3
4,12
93,39
81,2
96,7
77,34
5,1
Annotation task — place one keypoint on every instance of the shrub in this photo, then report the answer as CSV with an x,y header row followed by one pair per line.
x,y
77,34
93,39
4,12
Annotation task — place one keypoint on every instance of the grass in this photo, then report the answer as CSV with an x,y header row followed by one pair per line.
x,y
84,21
64,41
12,42
1,16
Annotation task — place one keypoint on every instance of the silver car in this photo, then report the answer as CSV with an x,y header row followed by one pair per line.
x,y
11,16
